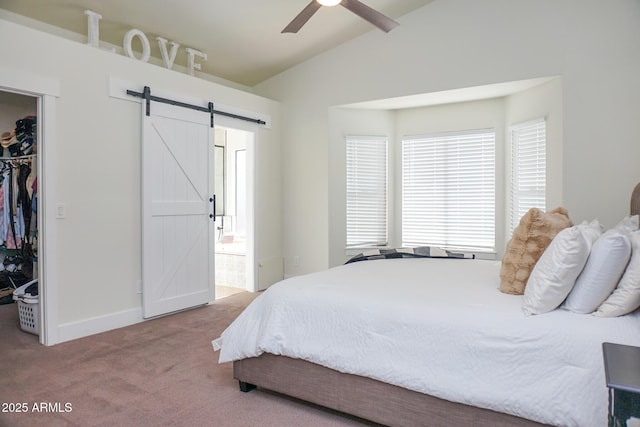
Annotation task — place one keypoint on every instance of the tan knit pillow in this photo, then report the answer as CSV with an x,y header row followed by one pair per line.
x,y
530,238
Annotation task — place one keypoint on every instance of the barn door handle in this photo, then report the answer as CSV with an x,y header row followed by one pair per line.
x,y
213,202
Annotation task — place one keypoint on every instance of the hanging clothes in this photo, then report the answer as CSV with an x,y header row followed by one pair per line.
x,y
24,201
18,198
16,204
5,218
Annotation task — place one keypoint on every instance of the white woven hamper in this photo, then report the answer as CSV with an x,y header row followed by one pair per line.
x,y
28,309
29,314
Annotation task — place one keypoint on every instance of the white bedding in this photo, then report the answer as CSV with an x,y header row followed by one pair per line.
x,y
438,326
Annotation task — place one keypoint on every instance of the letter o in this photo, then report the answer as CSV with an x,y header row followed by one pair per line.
x,y
146,47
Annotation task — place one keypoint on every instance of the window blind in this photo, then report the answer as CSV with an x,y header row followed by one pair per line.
x,y
366,191
528,169
448,190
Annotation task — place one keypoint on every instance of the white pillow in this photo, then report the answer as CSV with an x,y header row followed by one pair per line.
x,y
608,258
557,269
626,297
629,222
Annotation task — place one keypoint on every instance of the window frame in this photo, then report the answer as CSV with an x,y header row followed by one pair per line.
x,y
483,242
516,193
368,243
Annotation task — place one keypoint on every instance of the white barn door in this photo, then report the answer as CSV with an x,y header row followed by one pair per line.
x,y
177,191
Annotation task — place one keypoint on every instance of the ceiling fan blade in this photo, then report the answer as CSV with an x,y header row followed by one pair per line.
x,y
381,21
302,17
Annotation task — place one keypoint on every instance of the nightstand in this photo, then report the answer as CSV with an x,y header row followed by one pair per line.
x,y
622,371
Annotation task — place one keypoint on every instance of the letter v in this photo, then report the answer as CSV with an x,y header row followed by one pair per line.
x,y
167,58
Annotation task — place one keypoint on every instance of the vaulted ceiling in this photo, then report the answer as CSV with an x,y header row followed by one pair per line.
x,y
242,38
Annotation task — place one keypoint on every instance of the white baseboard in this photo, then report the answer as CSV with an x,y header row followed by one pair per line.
x,y
95,325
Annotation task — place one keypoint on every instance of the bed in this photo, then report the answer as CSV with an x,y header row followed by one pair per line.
x,y
424,341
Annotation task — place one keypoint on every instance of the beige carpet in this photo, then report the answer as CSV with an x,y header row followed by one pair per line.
x,y
226,291
161,372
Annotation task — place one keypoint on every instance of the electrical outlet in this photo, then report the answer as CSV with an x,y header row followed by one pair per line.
x,y
296,261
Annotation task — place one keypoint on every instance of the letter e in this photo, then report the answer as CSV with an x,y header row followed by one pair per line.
x,y
191,63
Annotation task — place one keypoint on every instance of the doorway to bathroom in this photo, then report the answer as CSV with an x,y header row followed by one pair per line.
x,y
233,237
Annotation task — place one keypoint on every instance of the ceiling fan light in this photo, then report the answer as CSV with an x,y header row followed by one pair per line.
x,y
329,2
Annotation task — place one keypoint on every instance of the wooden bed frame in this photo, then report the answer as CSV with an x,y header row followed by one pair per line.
x,y
360,396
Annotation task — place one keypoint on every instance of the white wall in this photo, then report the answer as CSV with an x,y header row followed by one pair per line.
x,y
448,44
98,163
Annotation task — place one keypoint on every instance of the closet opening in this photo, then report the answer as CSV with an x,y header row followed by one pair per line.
x,y
21,299
233,230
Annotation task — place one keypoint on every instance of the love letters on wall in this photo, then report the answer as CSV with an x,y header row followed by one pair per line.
x,y
168,56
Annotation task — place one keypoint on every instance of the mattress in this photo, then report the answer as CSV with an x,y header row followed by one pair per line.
x,y
441,327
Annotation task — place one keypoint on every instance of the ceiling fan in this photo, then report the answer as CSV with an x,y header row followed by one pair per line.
x,y
381,21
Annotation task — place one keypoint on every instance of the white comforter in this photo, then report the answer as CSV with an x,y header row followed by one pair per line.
x,y
438,326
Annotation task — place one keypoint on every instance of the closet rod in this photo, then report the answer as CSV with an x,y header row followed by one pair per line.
x,y
24,157
146,95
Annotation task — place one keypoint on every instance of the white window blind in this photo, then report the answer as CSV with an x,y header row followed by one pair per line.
x,y
528,168
448,190
366,191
